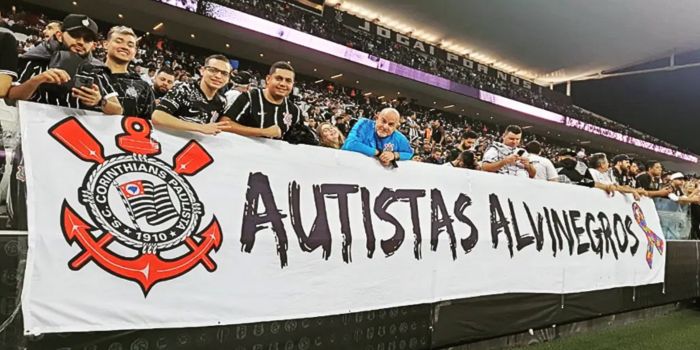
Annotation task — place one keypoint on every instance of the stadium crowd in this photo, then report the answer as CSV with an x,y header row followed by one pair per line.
x,y
67,63
326,27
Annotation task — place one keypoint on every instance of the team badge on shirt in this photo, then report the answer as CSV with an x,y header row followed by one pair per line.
x,y
287,120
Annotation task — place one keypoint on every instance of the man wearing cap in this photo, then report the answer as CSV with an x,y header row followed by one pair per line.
x,y
66,74
677,181
241,85
620,169
135,95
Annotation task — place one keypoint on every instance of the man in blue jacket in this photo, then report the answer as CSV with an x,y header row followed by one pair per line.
x,y
379,138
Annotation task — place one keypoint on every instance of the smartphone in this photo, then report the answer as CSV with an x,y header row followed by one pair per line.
x,y
83,80
521,152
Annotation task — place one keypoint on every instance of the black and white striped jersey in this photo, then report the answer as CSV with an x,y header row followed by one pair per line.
x,y
252,109
8,55
61,95
188,102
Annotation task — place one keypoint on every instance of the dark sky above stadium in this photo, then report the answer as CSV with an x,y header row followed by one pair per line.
x,y
662,104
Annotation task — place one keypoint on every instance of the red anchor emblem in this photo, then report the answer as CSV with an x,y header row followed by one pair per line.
x,y
139,201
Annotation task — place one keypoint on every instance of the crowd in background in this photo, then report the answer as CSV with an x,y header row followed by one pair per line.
x,y
330,112
328,28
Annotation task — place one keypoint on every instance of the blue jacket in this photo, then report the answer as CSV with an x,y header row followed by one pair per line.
x,y
363,139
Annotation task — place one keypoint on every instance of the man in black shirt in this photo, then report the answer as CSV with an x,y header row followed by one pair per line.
x,y
51,30
64,73
163,82
197,106
651,181
438,135
8,62
620,169
135,95
268,112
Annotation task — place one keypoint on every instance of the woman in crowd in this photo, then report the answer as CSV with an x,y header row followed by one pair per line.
x,y
330,136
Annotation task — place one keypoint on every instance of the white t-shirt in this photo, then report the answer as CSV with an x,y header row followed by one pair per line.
x,y
231,96
605,178
545,169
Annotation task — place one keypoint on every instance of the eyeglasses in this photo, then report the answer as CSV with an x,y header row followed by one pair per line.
x,y
214,70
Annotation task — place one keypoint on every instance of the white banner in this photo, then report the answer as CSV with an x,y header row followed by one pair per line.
x,y
191,230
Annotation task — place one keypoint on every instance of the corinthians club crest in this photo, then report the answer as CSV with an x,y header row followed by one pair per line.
x,y
145,216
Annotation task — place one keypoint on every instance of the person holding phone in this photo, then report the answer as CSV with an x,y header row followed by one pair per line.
x,y
67,75
506,158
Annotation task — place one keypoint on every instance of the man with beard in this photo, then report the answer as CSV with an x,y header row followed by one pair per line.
x,y
266,112
51,30
636,167
135,95
620,169
59,72
436,156
162,83
506,158
196,106
64,73
380,138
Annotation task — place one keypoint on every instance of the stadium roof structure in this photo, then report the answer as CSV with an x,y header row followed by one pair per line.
x,y
546,41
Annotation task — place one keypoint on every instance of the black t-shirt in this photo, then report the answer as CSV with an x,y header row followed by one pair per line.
x,y
252,109
8,55
571,175
622,178
157,94
648,183
61,95
438,135
188,102
135,95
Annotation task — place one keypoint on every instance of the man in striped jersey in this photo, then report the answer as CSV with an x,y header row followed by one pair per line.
x,y
196,106
67,75
8,62
266,112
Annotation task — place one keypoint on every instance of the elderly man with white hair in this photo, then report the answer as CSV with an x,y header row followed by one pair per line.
x,y
379,138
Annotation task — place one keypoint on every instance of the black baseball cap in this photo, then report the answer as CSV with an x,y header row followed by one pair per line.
x,y
242,78
620,158
75,22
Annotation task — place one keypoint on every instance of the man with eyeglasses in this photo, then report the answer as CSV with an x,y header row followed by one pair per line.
x,y
135,95
67,75
196,106
266,112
